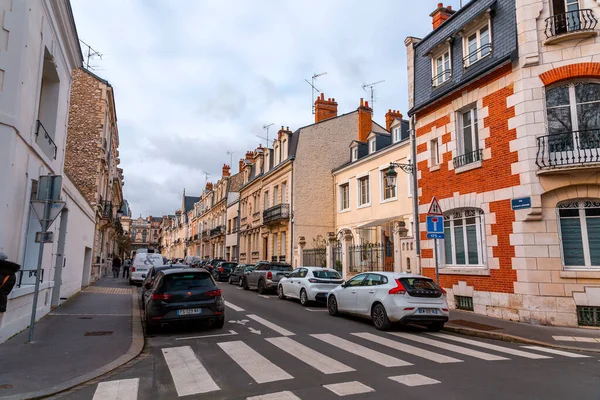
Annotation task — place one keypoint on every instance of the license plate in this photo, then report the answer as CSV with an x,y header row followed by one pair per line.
x,y
189,311
428,311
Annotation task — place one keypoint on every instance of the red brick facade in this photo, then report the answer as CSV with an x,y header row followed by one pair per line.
x,y
573,71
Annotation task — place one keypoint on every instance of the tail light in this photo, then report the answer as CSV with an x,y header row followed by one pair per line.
x,y
269,275
399,289
312,280
214,293
221,269
161,296
443,291
132,269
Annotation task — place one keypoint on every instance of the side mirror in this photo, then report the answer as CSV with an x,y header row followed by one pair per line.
x,y
287,275
344,284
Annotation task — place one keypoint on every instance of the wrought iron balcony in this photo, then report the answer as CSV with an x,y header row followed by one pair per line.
x,y
468,158
106,210
218,231
205,234
477,55
46,143
568,149
571,22
196,236
441,78
276,213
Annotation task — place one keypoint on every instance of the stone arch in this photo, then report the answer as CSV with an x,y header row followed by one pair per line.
x,y
554,197
573,71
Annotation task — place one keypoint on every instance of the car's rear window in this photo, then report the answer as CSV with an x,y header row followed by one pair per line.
x,y
281,268
418,283
188,281
325,274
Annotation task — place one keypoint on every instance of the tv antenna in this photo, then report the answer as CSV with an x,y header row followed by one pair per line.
x,y
371,87
230,154
206,175
314,88
91,53
266,129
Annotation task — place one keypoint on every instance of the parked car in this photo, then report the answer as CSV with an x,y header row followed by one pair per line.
x,y
190,260
236,276
265,276
309,284
183,294
152,273
141,264
210,265
223,269
388,297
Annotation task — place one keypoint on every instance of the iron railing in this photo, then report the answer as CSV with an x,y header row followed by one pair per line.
x,y
205,234
47,137
276,213
277,258
445,75
588,316
371,257
106,209
477,55
314,257
468,158
336,256
27,277
569,22
196,236
569,148
464,303
218,231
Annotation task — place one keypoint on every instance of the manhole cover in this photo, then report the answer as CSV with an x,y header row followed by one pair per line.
x,y
6,386
474,325
98,333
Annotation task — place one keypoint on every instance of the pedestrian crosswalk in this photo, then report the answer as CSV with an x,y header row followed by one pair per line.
x,y
277,360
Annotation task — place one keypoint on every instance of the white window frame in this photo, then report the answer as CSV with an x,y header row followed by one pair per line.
x,y
341,196
477,32
463,214
372,146
474,131
581,205
383,186
446,58
435,152
355,153
359,180
397,134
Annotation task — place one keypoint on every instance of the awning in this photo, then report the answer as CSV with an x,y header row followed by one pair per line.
x,y
377,222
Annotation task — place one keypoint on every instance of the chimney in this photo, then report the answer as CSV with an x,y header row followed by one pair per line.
x,y
325,109
226,169
283,131
250,156
365,120
209,186
390,116
440,15
241,165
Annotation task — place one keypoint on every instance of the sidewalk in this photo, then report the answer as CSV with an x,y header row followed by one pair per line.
x,y
92,333
469,323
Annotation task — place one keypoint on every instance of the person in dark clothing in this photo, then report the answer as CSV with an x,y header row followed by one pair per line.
x,y
116,266
7,281
126,266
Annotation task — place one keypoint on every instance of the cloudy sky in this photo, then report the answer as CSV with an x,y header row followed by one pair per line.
x,y
195,79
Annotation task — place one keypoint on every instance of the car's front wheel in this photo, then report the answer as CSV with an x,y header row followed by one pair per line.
x,y
332,306
303,298
380,318
280,292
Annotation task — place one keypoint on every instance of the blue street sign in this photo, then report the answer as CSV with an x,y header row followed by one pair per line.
x,y
435,224
519,204
435,236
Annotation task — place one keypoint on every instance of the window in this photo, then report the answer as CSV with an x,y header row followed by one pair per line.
x,y
375,280
468,138
441,69
276,195
357,280
389,192
363,191
302,273
477,45
580,233
47,112
266,199
567,17
283,192
372,146
397,134
464,234
275,245
354,153
435,153
344,196
283,243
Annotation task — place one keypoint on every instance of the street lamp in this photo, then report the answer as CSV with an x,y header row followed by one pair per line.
x,y
391,174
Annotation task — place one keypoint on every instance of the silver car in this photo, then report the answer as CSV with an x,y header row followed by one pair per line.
x,y
309,284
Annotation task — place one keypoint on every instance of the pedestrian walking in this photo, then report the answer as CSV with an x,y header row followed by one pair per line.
x,y
7,281
126,267
116,266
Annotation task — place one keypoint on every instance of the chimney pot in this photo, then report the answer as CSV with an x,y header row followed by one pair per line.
x,y
440,15
287,128
324,109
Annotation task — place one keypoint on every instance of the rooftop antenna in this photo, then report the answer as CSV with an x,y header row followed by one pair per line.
x,y
371,87
314,88
206,175
91,53
266,128
230,154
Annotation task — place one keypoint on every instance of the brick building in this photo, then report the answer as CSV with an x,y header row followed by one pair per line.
x,y
505,101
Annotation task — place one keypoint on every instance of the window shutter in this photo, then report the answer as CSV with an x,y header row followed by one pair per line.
x,y
572,243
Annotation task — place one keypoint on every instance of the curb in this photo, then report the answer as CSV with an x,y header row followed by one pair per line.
x,y
505,337
137,345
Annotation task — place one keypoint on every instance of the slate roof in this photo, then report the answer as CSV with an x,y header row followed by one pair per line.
x,y
189,202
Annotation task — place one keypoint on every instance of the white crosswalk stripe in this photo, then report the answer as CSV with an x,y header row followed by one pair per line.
x,y
188,373
490,346
270,325
414,380
124,389
285,395
450,347
415,351
311,357
365,352
257,366
348,388
555,351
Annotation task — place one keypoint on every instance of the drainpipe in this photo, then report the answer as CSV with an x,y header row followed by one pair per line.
x,y
237,248
292,214
60,257
415,194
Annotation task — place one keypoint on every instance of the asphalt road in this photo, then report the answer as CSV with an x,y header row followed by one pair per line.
x,y
278,350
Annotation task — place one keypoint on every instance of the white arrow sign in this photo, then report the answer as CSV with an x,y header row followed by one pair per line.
x,y
254,331
242,322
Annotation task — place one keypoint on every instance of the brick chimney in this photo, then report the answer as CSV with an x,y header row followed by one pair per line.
x,y
390,116
241,165
250,156
209,186
325,109
365,120
440,15
226,169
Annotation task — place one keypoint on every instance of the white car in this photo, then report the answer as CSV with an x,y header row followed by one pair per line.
x,y
388,297
309,284
141,264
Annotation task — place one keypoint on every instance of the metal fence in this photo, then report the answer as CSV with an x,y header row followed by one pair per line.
x,y
371,257
336,256
314,257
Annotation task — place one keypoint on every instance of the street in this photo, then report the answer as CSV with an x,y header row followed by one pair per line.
x,y
273,349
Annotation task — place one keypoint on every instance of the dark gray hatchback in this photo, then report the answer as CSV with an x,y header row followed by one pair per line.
x,y
183,295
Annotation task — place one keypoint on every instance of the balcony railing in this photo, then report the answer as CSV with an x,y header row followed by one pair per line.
x,y
276,213
468,158
106,209
50,148
568,149
27,277
570,22
441,77
477,55
196,236
218,231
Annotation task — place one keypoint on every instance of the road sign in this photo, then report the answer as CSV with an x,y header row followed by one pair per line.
x,y
44,237
436,236
434,207
435,224
519,204
54,209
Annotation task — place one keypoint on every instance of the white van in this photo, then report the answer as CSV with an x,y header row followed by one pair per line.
x,y
141,264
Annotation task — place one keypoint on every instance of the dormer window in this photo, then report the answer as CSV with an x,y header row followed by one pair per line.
x,y
372,146
477,44
354,153
397,132
441,66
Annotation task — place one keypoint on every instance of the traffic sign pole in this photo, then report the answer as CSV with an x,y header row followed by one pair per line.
x,y
38,273
437,262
